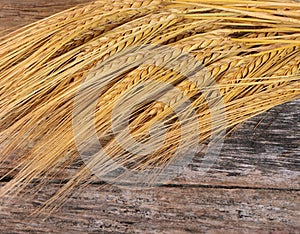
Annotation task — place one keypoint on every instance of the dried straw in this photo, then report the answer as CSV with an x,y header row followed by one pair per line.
x,y
250,51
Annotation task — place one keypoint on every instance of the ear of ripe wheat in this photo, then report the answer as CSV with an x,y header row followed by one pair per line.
x,y
250,49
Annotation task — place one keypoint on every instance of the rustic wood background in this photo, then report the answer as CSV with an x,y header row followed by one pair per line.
x,y
253,187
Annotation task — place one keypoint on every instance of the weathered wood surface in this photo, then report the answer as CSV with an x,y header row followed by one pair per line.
x,y
162,210
14,14
253,187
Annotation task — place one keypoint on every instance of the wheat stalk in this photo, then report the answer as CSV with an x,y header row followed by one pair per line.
x,y
250,49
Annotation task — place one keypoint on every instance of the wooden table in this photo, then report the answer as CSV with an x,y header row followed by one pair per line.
x,y
253,187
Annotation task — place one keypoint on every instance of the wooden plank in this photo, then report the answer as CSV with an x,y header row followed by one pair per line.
x,y
14,14
160,210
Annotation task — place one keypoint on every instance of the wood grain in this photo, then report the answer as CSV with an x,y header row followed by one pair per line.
x,y
254,186
14,14
161,210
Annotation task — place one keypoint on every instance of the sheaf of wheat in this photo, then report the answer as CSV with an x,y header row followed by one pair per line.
x,y
250,48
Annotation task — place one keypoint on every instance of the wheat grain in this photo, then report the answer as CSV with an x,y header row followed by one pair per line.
x,y
250,48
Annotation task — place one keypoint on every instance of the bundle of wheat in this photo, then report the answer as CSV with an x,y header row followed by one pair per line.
x,y
152,80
